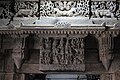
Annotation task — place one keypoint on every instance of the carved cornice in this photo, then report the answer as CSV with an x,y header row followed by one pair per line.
x,y
48,31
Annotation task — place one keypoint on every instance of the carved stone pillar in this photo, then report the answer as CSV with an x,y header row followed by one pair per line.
x,y
105,49
18,52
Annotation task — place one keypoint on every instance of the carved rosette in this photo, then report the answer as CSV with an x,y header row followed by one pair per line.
x,y
61,53
18,52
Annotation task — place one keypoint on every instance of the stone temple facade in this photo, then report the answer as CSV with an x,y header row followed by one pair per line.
x,y
59,39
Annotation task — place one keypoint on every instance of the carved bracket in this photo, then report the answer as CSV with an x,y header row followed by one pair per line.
x,y
105,49
18,52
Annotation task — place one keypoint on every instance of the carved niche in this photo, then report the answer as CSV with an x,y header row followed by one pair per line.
x,y
61,53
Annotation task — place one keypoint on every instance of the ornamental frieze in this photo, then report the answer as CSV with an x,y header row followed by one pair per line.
x,y
63,8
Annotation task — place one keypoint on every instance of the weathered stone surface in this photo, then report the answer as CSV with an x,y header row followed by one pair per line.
x,y
69,36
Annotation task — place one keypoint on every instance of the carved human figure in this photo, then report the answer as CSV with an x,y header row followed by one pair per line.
x,y
68,52
79,51
55,51
45,51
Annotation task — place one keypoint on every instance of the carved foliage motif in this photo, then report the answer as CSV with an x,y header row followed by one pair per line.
x,y
61,51
118,10
83,7
26,8
5,10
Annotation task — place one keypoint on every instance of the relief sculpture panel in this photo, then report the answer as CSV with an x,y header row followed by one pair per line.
x,y
60,8
61,54
103,9
64,8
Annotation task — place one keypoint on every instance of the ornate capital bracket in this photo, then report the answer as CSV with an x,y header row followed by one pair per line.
x,y
105,49
18,56
18,52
